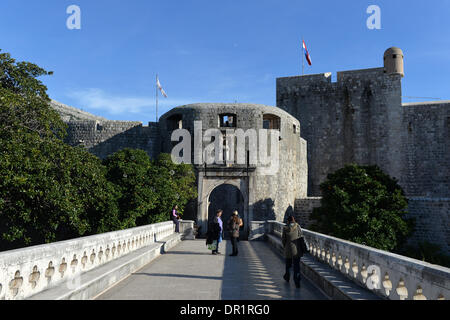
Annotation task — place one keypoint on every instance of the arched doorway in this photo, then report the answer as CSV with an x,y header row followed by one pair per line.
x,y
228,198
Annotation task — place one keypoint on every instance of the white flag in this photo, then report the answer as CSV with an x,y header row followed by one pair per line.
x,y
160,88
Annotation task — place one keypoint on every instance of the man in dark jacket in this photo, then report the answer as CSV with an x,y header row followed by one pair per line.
x,y
292,250
215,231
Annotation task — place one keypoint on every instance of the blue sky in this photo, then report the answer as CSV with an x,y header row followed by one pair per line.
x,y
216,51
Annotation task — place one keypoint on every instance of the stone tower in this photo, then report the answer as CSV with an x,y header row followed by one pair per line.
x,y
259,195
355,119
393,61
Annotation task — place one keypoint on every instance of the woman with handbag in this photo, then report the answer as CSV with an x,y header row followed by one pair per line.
x,y
291,239
234,225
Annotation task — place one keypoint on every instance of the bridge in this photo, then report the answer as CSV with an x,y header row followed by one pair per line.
x,y
155,263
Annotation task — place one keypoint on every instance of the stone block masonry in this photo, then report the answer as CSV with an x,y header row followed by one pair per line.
x,y
432,216
68,113
357,119
264,196
303,210
426,162
104,138
360,119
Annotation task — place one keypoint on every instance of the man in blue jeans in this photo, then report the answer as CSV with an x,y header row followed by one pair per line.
x,y
219,224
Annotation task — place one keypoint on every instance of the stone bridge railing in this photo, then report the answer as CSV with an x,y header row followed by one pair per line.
x,y
25,272
388,275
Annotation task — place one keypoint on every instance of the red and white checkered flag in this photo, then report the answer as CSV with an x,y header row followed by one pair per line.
x,y
160,88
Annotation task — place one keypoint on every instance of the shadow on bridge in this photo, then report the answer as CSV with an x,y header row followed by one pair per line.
x,y
175,275
190,272
256,274
190,253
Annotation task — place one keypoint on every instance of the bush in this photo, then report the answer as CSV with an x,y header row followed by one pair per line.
x,y
130,171
364,205
428,252
174,185
149,189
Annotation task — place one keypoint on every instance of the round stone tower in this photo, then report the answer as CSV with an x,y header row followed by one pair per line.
x,y
259,190
393,61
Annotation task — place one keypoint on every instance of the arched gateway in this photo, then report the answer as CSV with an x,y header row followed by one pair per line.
x,y
228,194
242,171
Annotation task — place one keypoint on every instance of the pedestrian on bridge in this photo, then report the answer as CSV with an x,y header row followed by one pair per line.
x,y
234,225
292,249
175,218
215,231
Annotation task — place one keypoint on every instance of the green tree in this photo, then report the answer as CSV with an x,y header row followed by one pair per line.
x,y
24,103
428,252
364,205
148,189
174,185
49,191
129,170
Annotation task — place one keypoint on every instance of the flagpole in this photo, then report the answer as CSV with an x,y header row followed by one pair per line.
x,y
156,85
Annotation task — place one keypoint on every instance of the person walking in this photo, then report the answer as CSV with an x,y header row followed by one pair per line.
x,y
241,222
234,225
216,230
176,218
292,249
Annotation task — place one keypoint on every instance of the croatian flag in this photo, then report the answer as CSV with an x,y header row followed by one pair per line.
x,y
158,84
308,57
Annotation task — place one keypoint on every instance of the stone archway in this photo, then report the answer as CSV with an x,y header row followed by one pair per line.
x,y
228,198
206,187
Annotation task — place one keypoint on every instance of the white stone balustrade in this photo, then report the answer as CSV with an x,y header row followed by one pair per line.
x,y
389,275
25,272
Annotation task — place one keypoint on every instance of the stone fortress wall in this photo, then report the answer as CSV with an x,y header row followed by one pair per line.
x,y
346,121
361,119
103,137
268,197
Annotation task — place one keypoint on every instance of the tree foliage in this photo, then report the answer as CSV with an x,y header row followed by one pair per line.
x,y
364,205
149,189
174,185
50,191
24,100
129,170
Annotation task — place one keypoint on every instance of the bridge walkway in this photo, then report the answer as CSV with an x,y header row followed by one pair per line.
x,y
190,272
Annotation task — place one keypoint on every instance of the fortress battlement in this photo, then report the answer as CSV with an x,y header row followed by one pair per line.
x,y
324,81
438,104
326,121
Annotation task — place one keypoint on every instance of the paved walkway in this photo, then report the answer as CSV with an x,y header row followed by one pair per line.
x,y
190,272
